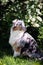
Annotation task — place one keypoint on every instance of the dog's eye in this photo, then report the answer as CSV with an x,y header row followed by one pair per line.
x,y
20,24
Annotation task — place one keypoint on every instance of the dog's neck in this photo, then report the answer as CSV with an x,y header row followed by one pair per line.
x,y
15,35
18,34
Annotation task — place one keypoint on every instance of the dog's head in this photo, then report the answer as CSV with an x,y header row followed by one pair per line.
x,y
18,25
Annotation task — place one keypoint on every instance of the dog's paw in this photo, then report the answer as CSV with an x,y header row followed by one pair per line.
x,y
16,54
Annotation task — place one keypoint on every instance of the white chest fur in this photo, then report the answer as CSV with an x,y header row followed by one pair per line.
x,y
15,35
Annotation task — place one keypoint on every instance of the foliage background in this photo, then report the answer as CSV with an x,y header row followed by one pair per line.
x,y
31,11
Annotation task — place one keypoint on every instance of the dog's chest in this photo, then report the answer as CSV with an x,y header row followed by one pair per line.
x,y
16,35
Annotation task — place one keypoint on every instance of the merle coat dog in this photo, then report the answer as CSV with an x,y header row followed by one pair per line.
x,y
22,42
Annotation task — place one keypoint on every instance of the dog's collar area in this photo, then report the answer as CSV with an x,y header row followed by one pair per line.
x,y
15,35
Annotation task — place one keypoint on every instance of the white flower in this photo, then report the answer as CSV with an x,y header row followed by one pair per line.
x,y
12,0
38,11
4,2
32,6
36,1
27,26
31,0
11,8
25,16
32,22
28,20
36,25
27,6
7,13
29,11
30,17
26,2
39,18
40,6
33,19
17,5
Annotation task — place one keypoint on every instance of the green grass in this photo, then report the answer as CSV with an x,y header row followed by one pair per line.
x,y
7,59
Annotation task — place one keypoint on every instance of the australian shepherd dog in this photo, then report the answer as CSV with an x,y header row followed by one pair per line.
x,y
22,42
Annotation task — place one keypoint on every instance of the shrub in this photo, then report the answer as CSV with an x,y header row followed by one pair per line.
x,y
28,10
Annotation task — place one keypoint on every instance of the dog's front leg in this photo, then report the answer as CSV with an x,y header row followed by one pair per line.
x,y
17,50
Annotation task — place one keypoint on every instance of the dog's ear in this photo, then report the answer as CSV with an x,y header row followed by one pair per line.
x,y
23,26
14,21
